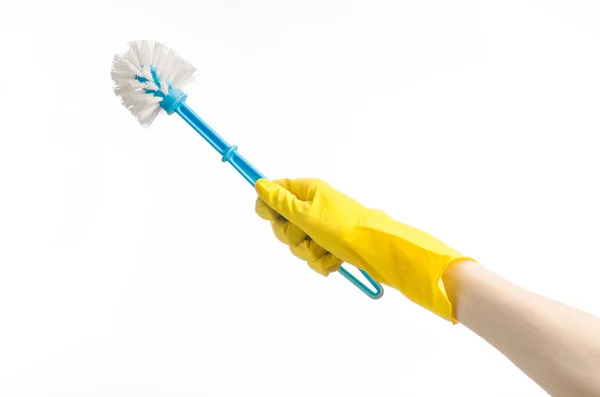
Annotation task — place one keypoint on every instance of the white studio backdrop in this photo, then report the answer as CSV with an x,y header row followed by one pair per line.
x,y
131,260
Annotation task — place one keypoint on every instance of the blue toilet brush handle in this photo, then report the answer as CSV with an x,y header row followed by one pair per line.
x,y
252,175
228,152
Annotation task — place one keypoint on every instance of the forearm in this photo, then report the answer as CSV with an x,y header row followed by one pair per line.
x,y
555,345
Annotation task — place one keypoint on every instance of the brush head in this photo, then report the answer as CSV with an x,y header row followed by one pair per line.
x,y
148,78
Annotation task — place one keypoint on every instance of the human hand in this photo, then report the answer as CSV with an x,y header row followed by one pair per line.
x,y
326,228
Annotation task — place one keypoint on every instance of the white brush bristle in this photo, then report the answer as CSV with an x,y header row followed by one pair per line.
x,y
171,69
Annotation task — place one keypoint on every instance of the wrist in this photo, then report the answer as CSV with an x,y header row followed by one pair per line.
x,y
462,281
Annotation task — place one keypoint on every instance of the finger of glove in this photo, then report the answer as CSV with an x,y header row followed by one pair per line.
x,y
326,264
282,200
308,250
287,232
264,211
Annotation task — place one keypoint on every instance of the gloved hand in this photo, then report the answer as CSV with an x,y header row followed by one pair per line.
x,y
326,228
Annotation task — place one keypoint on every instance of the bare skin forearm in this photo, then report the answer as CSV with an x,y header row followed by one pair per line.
x,y
555,345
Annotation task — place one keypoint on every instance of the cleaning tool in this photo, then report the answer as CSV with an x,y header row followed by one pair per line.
x,y
395,254
149,78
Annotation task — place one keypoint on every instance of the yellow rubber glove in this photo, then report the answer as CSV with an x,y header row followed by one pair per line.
x,y
326,228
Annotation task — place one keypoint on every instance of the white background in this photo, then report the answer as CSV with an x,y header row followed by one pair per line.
x,y
131,260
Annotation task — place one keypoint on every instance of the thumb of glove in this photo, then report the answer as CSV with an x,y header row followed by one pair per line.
x,y
282,201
